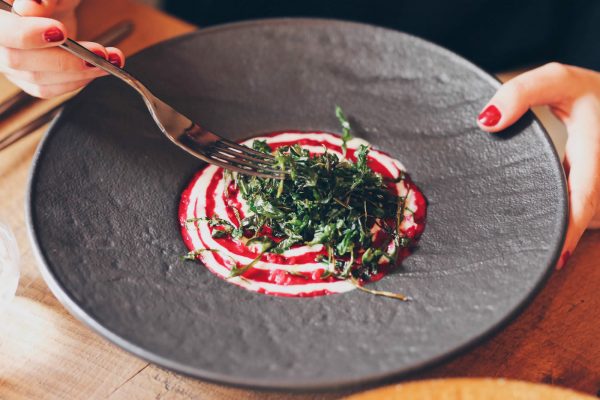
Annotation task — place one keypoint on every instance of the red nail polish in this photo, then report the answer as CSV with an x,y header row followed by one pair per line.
x,y
566,166
563,259
490,116
38,1
98,53
115,59
54,35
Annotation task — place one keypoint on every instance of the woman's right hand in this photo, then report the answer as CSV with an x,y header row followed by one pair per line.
x,y
29,56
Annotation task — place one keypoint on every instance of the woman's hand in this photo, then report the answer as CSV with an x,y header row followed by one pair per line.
x,y
29,56
573,95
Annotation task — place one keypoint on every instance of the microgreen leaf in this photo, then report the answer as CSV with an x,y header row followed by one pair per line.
x,y
262,243
383,293
192,255
346,129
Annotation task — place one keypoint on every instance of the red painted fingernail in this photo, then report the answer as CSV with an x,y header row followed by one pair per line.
x,y
98,53
566,167
564,258
54,35
38,1
114,59
490,116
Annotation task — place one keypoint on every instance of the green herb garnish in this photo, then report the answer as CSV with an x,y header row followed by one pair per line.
x,y
328,201
192,255
323,200
346,129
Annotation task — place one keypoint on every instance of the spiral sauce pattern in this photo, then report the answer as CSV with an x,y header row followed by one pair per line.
x,y
297,271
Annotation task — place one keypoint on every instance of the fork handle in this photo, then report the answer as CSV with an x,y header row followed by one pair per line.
x,y
81,52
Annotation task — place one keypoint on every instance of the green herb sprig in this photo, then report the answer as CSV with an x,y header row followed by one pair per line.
x,y
328,201
323,200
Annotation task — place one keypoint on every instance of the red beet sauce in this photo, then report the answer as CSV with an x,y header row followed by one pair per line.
x,y
279,276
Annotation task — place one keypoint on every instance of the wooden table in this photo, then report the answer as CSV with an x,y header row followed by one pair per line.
x,y
46,353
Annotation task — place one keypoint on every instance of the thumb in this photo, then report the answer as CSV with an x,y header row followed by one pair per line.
x,y
546,85
583,158
561,87
34,8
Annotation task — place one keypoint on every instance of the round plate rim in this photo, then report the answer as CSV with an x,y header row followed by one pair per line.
x,y
286,384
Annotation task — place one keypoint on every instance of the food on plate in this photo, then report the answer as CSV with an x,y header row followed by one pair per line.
x,y
344,215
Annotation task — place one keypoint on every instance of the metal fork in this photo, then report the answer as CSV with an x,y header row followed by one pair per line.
x,y
181,130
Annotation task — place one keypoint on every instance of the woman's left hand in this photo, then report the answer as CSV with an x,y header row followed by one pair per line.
x,y
573,95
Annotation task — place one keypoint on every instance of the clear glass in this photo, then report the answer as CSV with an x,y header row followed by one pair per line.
x,y
9,266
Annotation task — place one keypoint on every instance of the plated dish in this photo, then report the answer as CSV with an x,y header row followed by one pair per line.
x,y
346,215
104,197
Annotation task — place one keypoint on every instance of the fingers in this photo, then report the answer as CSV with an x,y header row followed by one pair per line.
x,y
51,60
116,56
583,158
573,94
29,55
42,78
30,32
551,84
51,72
37,8
49,91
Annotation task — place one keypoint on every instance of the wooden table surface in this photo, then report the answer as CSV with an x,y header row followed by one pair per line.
x,y
46,353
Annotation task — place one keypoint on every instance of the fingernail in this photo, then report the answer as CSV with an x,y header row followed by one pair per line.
x,y
115,59
564,258
566,166
98,53
38,1
54,35
490,116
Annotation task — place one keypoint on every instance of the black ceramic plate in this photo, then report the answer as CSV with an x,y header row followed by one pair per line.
x,y
106,184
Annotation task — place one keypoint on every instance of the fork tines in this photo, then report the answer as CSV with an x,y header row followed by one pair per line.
x,y
243,159
236,148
